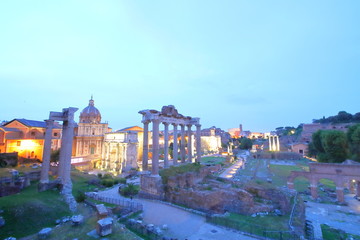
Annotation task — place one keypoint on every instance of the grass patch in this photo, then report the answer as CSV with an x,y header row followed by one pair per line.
x,y
173,171
29,211
80,181
331,233
212,160
259,225
68,231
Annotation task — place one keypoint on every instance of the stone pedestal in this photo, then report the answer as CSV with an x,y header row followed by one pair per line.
x,y
151,187
104,226
102,212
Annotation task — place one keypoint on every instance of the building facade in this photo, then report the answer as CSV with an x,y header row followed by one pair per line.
x,y
26,137
89,134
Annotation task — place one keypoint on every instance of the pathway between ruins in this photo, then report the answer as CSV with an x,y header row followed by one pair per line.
x,y
346,218
181,224
231,171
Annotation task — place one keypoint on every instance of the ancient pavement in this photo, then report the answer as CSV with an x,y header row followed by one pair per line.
x,y
181,224
346,218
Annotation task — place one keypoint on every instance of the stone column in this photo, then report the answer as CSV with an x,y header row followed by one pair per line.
x,y
145,146
182,143
198,143
67,185
166,145
189,144
175,145
290,185
46,152
340,192
270,144
358,188
155,144
313,190
278,143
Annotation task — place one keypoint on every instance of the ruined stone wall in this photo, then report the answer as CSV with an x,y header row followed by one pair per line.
x,y
196,191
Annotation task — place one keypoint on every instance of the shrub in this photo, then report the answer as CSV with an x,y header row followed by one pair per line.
x,y
107,176
80,197
99,175
129,191
107,182
120,180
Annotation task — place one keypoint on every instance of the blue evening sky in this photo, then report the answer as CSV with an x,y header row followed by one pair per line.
x,y
264,64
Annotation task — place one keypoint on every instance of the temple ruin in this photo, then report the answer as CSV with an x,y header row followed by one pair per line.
x,y
151,184
64,169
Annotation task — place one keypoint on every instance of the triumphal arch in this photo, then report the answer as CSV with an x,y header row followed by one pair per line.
x,y
150,184
343,174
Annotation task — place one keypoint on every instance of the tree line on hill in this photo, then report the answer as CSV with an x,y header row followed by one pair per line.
x,y
341,117
335,146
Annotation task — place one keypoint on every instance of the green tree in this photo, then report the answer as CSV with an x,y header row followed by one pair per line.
x,y
55,155
335,146
353,137
171,150
330,146
316,141
245,143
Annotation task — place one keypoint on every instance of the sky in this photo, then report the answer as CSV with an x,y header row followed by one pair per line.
x,y
262,64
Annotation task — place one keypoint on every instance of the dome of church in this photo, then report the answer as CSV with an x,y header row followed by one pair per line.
x,y
90,114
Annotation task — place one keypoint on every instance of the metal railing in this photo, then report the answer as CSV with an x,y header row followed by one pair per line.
x,y
134,206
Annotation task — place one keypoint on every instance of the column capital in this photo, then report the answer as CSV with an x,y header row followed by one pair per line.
x,y
189,125
146,121
197,125
155,120
166,123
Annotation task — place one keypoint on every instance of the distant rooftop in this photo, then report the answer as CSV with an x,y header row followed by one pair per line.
x,y
32,123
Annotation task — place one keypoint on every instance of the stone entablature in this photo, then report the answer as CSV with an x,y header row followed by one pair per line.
x,y
169,115
343,174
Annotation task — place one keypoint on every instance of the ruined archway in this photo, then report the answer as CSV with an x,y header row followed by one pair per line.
x,y
339,174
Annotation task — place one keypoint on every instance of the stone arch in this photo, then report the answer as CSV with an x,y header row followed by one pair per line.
x,y
295,174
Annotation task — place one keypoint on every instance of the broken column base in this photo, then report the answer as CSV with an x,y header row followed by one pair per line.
x,y
48,185
66,191
151,187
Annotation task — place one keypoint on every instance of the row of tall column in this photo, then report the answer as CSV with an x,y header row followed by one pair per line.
x,y
155,144
274,143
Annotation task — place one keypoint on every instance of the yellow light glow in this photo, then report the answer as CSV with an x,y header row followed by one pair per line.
x,y
27,145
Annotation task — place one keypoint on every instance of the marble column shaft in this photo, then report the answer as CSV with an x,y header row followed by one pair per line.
x,y
166,145
198,143
67,150
189,144
175,145
155,144
358,188
145,146
46,152
182,144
